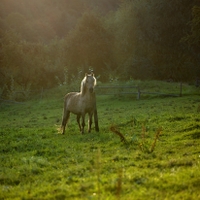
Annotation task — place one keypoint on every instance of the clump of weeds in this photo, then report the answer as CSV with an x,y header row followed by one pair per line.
x,y
144,144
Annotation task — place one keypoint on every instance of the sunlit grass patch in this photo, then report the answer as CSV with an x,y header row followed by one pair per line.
x,y
38,162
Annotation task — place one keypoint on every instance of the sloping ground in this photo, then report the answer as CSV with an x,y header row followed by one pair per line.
x,y
38,163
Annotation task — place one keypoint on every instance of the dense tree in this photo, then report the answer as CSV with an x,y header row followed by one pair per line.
x,y
148,35
25,64
41,40
89,45
192,39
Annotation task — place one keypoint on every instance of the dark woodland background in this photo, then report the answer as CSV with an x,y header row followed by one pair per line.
x,y
46,42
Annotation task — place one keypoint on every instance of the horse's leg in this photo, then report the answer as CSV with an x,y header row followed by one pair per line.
x,y
96,120
90,122
65,120
78,121
83,123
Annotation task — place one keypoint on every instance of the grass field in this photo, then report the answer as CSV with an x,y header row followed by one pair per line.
x,y
160,158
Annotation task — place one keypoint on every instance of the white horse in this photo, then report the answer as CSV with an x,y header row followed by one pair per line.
x,y
81,103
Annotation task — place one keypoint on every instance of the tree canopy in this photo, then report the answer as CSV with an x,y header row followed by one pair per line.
x,y
151,39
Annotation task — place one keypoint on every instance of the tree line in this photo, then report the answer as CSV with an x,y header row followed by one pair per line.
x,y
46,42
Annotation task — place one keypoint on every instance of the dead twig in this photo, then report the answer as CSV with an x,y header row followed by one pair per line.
x,y
158,132
114,130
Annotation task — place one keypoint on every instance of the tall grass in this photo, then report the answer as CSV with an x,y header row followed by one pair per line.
x,y
130,157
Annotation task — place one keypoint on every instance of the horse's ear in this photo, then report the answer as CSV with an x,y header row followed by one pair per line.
x,y
86,74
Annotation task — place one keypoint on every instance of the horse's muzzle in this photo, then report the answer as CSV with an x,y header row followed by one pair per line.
x,y
91,90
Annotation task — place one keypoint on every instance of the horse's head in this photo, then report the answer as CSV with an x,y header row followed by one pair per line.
x,y
88,83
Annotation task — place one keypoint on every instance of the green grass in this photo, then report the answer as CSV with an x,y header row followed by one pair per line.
x,y
38,163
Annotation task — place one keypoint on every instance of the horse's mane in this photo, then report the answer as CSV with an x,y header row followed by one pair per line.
x,y
83,82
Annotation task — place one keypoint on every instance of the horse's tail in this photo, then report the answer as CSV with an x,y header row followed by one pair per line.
x,y
96,118
65,116
96,121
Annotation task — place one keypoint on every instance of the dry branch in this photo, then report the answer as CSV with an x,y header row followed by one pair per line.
x,y
114,130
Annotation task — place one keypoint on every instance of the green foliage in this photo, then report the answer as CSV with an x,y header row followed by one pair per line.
x,y
41,40
194,37
36,162
148,38
89,44
13,91
28,63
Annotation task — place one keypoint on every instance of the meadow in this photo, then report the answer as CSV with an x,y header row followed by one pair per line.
x,y
157,157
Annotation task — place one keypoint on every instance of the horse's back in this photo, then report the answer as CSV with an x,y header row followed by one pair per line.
x,y
71,94
76,103
72,102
